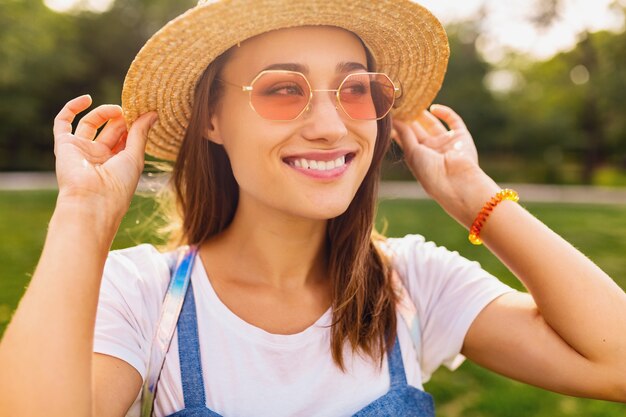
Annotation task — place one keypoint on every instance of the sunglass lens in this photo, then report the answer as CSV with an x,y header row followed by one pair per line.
x,y
367,96
280,95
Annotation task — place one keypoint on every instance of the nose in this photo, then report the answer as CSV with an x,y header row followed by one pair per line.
x,y
323,118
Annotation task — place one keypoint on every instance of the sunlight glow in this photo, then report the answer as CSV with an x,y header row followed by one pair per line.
x,y
65,6
506,26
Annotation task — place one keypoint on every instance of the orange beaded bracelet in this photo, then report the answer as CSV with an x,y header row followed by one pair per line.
x,y
505,194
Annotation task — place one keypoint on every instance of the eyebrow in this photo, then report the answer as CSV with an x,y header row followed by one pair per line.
x,y
340,67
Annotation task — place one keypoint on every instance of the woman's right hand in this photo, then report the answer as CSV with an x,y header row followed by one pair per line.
x,y
101,171
96,182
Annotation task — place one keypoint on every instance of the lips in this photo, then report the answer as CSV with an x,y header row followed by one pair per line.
x,y
323,166
320,161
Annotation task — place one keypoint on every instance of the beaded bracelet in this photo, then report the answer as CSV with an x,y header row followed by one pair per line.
x,y
505,194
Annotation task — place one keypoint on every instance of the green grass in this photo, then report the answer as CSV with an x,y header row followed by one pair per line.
x,y
471,391
24,217
599,231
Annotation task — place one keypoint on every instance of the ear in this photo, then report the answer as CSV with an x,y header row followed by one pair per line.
x,y
213,133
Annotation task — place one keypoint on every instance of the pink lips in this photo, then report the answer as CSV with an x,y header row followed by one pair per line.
x,y
328,174
321,156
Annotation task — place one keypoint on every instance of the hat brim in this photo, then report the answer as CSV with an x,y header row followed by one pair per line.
x,y
406,40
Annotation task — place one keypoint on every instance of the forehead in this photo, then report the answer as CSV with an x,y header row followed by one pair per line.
x,y
317,48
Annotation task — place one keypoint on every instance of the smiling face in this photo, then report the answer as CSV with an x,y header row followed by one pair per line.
x,y
310,167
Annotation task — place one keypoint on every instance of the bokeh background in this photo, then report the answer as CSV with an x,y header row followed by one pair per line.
x,y
540,83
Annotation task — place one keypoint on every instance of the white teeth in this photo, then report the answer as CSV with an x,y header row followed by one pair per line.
x,y
319,165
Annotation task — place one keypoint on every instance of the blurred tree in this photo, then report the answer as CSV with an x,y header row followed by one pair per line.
x,y
545,12
570,111
37,55
48,58
609,84
112,39
573,104
465,91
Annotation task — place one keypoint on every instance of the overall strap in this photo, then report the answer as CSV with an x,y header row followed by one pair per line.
x,y
408,311
397,375
167,324
189,354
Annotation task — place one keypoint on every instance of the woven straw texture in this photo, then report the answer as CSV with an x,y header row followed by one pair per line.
x,y
407,42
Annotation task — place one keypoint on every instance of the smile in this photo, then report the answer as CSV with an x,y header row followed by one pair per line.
x,y
321,166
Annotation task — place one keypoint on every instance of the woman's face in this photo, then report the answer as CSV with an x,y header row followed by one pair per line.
x,y
263,153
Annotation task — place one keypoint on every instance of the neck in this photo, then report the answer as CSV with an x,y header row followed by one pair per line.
x,y
263,247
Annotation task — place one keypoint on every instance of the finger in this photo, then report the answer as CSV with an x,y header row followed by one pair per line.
x,y
138,134
445,113
393,134
420,132
432,124
406,137
89,125
63,120
121,144
416,155
112,132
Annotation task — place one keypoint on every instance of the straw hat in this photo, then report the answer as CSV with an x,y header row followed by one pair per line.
x,y
406,40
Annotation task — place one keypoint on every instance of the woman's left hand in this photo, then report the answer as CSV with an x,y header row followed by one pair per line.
x,y
445,162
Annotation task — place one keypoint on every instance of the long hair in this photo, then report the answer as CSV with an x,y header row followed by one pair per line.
x,y
206,196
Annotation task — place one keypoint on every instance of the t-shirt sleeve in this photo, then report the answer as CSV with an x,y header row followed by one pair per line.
x,y
131,293
448,290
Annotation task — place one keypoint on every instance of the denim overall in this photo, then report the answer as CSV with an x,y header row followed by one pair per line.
x,y
401,399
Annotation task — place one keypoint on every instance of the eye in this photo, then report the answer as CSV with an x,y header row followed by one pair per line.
x,y
284,89
355,88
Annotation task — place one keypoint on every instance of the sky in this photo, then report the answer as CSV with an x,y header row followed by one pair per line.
x,y
505,27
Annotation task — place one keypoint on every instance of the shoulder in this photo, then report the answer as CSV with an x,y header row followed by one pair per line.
x,y
143,255
415,252
139,261
134,282
139,271
424,266
448,291
393,246
434,274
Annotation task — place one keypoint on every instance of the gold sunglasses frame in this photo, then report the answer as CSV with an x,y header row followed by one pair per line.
x,y
250,87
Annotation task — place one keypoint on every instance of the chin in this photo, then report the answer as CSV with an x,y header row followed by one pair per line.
x,y
325,212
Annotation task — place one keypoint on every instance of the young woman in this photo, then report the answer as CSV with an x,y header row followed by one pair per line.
x,y
278,115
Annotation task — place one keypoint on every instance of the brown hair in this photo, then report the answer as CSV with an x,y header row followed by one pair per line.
x,y
206,196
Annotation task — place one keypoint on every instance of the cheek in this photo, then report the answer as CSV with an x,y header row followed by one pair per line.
x,y
251,154
369,133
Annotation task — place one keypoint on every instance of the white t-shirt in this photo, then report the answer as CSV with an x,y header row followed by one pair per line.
x,y
250,372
